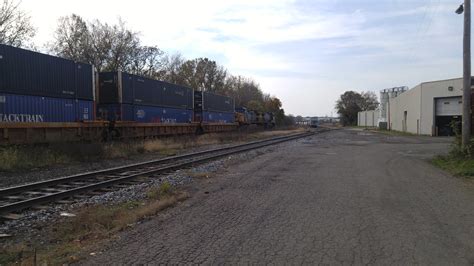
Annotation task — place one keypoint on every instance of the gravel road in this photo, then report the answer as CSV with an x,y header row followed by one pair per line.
x,y
343,197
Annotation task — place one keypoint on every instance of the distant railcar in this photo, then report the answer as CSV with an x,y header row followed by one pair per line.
x,y
127,97
269,120
249,117
243,116
266,119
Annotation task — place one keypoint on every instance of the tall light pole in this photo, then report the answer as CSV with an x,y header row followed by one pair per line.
x,y
466,95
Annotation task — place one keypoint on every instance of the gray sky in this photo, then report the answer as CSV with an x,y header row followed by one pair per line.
x,y
306,53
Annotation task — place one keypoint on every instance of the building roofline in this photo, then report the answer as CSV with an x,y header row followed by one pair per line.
x,y
441,80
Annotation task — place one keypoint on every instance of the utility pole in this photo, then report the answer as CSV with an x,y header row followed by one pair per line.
x,y
466,96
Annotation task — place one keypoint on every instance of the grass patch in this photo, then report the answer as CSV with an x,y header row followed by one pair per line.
x,y
458,166
13,157
27,157
361,127
163,191
72,238
460,160
393,132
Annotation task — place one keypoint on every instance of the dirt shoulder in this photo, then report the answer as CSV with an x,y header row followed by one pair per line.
x,y
45,162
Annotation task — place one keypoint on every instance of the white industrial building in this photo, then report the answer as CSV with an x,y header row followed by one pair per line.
x,y
427,109
368,118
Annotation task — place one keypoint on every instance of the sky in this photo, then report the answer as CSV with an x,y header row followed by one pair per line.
x,y
307,53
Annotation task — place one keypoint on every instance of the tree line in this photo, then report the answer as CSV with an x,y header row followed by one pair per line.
x,y
111,47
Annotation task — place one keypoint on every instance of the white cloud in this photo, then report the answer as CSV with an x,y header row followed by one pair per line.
x,y
396,43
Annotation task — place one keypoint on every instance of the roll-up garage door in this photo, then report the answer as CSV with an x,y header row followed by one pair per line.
x,y
451,106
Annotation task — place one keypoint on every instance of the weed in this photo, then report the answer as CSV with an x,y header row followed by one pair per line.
x,y
8,158
458,166
141,150
165,189
34,156
392,132
23,157
153,193
68,238
13,254
460,160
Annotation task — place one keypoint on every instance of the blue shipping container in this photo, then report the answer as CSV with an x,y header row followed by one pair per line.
x,y
218,117
36,109
121,87
115,112
217,103
26,72
143,113
152,114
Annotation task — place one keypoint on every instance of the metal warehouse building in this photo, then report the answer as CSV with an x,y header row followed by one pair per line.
x,y
368,118
427,109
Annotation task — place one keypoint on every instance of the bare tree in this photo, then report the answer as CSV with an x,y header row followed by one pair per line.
x,y
73,39
203,74
171,67
107,47
15,26
245,90
147,61
369,101
115,47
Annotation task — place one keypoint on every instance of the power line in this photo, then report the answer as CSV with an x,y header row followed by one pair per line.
x,y
417,38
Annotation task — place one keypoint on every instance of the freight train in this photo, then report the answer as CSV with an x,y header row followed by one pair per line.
x,y
38,88
249,117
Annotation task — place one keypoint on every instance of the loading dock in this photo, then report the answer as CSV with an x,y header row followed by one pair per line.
x,y
448,113
430,108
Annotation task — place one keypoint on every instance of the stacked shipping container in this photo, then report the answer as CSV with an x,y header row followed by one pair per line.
x,y
127,97
213,108
35,87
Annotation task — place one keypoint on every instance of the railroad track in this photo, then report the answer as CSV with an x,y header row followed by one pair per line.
x,y
14,199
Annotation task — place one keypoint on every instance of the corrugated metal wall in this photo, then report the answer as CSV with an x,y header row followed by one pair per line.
x,y
143,113
368,118
217,103
177,96
218,117
30,73
142,91
108,88
147,114
35,109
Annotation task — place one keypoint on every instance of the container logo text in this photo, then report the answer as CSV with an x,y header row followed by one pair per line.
x,y
140,113
21,118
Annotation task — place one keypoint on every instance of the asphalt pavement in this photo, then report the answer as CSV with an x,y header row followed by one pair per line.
x,y
341,197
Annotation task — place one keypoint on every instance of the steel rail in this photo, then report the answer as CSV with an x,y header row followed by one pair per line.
x,y
50,182
190,159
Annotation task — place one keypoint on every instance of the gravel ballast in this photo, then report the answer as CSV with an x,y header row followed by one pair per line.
x,y
31,222
24,176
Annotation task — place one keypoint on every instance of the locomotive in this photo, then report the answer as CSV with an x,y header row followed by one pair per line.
x,y
249,117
